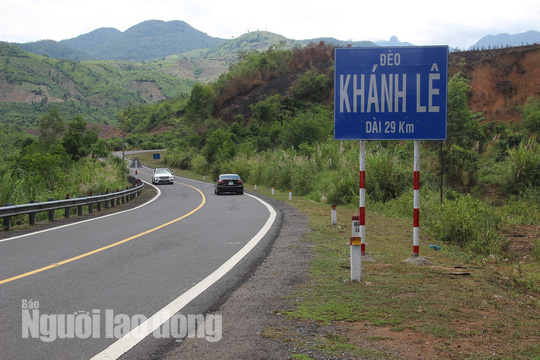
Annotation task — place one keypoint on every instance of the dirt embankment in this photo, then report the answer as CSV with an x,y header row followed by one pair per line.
x,y
501,80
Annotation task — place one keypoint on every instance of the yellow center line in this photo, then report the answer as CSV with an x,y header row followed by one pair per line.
x,y
111,245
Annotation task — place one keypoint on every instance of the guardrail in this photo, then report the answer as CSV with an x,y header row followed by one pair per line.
x,y
107,200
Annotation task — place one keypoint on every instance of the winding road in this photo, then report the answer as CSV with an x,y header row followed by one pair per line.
x,y
85,290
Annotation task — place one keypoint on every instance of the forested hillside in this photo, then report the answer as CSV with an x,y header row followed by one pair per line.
x,y
31,84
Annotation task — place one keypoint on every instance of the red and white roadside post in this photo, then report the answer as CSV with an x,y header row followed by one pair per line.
x,y
358,235
416,220
362,207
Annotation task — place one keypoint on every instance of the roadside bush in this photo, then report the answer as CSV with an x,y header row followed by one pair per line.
x,y
466,222
525,163
310,128
200,165
387,174
179,158
531,114
339,187
464,166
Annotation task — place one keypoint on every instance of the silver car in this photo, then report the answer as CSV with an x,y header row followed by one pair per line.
x,y
162,176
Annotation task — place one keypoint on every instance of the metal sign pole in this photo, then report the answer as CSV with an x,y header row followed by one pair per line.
x,y
416,220
362,207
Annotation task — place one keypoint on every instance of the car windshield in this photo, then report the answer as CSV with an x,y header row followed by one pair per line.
x,y
229,177
162,171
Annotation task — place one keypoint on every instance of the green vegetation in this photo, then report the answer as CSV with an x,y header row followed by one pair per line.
x,y
61,161
490,170
95,90
458,308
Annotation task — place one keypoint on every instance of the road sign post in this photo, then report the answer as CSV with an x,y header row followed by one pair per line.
x,y
391,93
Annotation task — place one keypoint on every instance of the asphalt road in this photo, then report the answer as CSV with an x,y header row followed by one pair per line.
x,y
75,292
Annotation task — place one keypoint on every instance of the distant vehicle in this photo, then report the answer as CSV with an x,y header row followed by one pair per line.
x,y
229,183
162,176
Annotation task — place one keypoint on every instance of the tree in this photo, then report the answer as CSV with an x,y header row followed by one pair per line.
x,y
78,140
52,125
200,103
464,135
463,126
220,145
308,128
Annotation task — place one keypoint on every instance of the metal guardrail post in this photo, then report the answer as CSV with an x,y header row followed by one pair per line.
x,y
79,208
7,220
51,212
32,216
67,209
90,206
106,201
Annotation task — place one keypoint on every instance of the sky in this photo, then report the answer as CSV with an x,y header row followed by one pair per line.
x,y
457,23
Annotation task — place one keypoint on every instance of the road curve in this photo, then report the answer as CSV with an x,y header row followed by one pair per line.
x,y
174,253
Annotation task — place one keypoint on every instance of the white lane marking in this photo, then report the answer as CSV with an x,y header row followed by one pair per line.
x,y
87,220
128,341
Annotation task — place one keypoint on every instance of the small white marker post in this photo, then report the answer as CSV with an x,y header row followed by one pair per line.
x,y
272,190
334,215
356,250
255,187
290,194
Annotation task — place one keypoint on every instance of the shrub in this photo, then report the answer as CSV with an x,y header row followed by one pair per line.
x,y
339,187
466,222
525,163
387,174
530,115
199,164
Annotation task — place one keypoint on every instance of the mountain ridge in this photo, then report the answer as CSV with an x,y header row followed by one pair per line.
x,y
155,39
504,40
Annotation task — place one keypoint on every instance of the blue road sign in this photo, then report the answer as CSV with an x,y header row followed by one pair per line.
x,y
390,93
156,156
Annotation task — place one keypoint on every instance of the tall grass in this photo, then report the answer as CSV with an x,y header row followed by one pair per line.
x,y
525,160
85,176
328,172
466,222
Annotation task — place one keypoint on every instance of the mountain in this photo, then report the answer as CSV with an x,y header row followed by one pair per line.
x,y
93,39
31,84
505,40
392,42
336,42
148,40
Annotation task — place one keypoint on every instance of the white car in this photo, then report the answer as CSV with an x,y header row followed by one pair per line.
x,y
162,176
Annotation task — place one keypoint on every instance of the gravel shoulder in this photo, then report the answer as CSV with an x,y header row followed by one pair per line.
x,y
252,316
